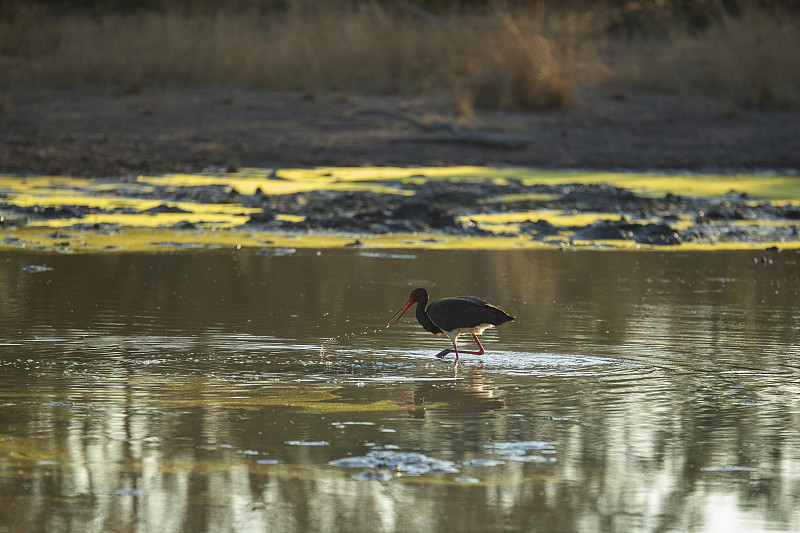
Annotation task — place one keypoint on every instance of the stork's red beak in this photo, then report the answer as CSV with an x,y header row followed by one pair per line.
x,y
402,310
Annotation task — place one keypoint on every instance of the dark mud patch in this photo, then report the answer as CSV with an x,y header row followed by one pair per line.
x,y
363,212
660,234
447,207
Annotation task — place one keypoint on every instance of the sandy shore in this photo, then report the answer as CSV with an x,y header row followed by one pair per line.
x,y
102,133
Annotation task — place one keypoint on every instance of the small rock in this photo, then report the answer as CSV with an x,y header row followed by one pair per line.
x,y
163,208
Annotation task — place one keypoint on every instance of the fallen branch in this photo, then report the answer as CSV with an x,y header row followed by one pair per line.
x,y
454,133
491,140
421,124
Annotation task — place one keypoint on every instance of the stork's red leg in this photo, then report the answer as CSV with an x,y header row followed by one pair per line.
x,y
446,351
481,352
443,353
480,346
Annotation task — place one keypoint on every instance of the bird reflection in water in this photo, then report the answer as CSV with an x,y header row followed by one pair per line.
x,y
472,393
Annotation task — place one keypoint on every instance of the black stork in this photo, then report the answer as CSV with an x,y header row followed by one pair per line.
x,y
454,317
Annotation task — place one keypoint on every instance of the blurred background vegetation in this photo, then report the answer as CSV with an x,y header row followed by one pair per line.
x,y
478,53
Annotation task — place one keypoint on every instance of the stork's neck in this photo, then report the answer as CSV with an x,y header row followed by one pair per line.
x,y
422,317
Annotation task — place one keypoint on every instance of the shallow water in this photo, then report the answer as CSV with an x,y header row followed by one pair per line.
x,y
232,391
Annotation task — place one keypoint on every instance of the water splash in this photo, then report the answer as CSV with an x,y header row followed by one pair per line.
x,y
323,348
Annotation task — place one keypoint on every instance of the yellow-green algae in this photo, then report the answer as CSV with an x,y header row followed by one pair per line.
x,y
286,181
165,393
219,225
499,222
767,186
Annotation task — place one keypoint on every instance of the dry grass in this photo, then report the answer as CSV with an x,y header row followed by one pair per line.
x,y
529,61
751,61
500,59
504,58
754,61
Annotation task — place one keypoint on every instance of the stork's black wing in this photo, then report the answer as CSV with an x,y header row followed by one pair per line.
x,y
465,312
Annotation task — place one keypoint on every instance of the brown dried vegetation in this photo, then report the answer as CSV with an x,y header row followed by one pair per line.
x,y
536,56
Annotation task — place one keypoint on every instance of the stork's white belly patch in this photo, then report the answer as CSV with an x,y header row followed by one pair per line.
x,y
462,331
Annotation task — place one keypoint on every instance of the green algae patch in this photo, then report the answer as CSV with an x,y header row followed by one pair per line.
x,y
16,452
153,220
138,239
200,392
556,217
249,181
765,185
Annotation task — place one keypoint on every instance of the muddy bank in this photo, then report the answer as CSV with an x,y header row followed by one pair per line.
x,y
114,138
104,134
446,207
424,209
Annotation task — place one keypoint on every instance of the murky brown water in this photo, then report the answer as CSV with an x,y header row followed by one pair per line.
x,y
231,391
